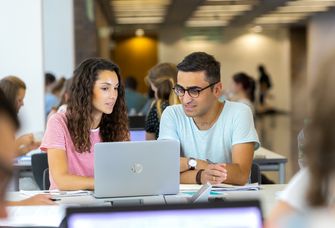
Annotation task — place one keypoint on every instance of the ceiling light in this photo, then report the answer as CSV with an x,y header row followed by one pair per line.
x,y
256,29
139,20
139,32
210,23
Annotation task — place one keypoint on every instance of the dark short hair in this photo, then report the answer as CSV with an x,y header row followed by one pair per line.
x,y
201,61
248,84
6,108
49,78
130,82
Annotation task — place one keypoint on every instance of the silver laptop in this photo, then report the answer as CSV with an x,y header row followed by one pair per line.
x,y
136,168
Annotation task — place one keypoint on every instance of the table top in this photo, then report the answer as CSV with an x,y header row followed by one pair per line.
x,y
52,215
265,155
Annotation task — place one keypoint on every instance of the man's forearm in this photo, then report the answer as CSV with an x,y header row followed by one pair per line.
x,y
188,177
236,175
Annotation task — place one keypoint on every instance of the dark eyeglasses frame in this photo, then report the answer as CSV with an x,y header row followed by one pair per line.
x,y
198,90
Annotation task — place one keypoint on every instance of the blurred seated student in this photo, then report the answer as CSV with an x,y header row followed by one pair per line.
x,y
134,100
9,123
161,79
96,112
64,99
50,100
243,90
58,89
15,90
314,186
147,106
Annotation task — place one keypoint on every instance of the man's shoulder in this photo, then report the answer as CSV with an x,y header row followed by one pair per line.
x,y
174,113
174,109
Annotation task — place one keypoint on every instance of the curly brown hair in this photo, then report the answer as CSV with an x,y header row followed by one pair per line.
x,y
114,126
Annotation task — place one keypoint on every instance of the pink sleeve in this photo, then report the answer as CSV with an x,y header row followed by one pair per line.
x,y
55,133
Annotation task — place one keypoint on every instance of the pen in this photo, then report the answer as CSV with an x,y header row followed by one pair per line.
x,y
55,199
210,162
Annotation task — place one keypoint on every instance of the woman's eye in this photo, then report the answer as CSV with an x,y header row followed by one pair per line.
x,y
104,88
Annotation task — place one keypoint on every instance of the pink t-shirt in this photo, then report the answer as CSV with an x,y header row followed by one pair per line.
x,y
57,136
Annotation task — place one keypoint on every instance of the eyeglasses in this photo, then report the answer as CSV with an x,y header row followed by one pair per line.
x,y
193,91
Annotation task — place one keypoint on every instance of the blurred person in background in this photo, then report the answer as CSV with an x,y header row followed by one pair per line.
x,y
150,99
9,124
134,100
243,90
64,98
15,91
50,100
162,79
311,192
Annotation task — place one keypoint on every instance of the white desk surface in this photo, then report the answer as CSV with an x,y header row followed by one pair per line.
x,y
268,154
52,215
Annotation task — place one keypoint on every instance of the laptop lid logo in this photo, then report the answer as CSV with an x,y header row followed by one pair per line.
x,y
137,168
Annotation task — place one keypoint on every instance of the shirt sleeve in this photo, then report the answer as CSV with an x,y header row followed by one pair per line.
x,y
168,125
54,136
151,122
295,192
244,128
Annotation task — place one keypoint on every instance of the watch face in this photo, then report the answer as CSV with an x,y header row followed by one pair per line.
x,y
192,162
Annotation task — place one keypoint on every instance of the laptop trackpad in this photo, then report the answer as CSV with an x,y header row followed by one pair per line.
x,y
126,202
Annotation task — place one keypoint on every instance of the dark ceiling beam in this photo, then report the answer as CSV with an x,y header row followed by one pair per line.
x,y
107,10
263,7
180,11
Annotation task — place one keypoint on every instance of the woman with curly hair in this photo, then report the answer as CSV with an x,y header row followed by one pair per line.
x,y
96,112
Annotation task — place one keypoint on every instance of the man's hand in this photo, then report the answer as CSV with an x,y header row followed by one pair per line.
x,y
214,174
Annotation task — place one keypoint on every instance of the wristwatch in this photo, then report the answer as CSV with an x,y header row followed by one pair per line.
x,y
192,163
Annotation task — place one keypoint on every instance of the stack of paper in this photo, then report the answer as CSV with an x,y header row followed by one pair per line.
x,y
228,187
57,193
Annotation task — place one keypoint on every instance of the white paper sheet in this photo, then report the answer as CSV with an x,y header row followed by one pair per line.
x,y
34,216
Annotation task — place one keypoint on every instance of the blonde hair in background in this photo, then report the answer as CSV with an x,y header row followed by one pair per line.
x,y
163,76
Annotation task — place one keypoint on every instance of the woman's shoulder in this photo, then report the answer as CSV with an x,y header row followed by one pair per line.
x,y
58,117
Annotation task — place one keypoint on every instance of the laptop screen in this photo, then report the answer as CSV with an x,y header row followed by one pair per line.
x,y
137,135
248,217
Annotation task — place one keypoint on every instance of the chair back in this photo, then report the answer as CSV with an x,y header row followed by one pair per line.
x,y
39,163
255,176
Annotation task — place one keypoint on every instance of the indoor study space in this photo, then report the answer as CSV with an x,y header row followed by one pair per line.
x,y
167,113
